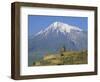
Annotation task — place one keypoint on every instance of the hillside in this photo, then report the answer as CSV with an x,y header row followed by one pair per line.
x,y
64,58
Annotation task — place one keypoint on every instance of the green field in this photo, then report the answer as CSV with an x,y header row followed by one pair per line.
x,y
64,58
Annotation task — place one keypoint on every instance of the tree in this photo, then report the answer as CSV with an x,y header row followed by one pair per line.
x,y
63,49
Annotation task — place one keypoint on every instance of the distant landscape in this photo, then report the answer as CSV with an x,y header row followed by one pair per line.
x,y
58,44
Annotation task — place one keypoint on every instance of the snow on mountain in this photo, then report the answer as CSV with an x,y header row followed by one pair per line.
x,y
59,27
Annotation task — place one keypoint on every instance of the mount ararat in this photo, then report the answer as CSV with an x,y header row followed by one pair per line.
x,y
56,35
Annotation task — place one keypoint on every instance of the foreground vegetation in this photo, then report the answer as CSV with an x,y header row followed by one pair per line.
x,y
64,58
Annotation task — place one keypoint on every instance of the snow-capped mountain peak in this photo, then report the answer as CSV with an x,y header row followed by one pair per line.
x,y
59,27
64,27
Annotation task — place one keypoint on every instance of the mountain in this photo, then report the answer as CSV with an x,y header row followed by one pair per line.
x,y
57,35
58,27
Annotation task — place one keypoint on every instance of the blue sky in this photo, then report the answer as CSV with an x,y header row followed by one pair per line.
x,y
38,22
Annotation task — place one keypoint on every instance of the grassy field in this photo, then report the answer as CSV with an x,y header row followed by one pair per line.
x,y
64,58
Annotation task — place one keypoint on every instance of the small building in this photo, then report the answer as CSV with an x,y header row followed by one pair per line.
x,y
47,57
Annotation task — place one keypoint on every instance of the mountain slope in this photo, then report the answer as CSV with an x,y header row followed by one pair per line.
x,y
57,35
